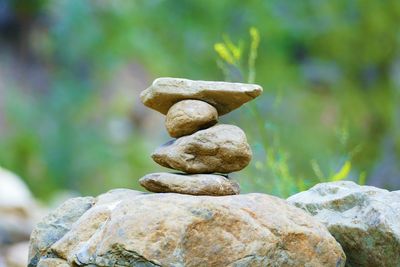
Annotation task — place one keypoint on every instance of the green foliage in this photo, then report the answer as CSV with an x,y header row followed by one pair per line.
x,y
276,163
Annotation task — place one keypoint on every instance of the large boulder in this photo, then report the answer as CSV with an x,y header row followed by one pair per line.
x,y
224,96
222,148
364,219
130,228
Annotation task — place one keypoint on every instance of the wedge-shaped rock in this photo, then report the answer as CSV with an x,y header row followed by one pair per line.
x,y
195,184
365,220
182,230
222,148
58,223
189,116
224,96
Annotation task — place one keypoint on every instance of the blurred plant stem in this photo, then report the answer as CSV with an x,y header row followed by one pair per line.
x,y
276,169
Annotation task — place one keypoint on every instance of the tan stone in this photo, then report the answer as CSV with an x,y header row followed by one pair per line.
x,y
222,148
189,116
195,184
224,96
50,262
182,230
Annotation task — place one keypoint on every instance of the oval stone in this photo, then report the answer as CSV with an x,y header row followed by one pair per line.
x,y
189,116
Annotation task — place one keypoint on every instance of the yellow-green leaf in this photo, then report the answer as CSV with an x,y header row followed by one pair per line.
x,y
223,52
343,172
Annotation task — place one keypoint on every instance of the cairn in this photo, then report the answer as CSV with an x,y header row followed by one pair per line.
x,y
204,152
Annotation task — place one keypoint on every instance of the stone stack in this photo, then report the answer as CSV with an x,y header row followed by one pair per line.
x,y
190,227
203,151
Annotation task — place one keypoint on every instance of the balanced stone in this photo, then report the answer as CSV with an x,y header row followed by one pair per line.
x,y
365,220
195,184
189,116
222,148
127,228
224,96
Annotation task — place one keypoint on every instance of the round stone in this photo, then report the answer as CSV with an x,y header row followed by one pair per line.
x,y
189,116
196,184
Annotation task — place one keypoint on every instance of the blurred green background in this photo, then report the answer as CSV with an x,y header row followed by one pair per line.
x,y
71,72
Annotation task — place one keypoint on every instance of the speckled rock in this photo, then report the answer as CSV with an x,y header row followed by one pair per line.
x,y
365,220
55,225
49,262
189,116
224,96
195,184
126,228
222,148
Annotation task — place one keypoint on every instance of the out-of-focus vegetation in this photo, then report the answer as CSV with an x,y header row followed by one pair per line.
x,y
71,72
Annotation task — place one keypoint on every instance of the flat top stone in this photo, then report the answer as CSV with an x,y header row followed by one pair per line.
x,y
224,96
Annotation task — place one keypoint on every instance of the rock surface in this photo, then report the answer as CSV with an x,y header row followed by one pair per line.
x,y
189,116
55,225
364,219
222,148
127,228
196,184
224,96
49,262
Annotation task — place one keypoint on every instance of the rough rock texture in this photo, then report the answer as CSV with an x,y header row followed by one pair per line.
x,y
126,228
222,148
224,96
55,225
189,116
364,219
49,262
195,184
